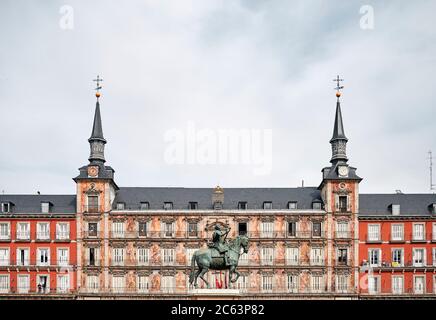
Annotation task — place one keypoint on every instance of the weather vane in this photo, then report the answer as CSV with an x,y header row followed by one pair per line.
x,y
338,87
98,80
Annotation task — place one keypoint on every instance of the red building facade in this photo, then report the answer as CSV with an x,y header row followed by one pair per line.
x,y
397,247
38,251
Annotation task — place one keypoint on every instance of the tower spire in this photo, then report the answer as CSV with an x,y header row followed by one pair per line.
x,y
97,141
338,140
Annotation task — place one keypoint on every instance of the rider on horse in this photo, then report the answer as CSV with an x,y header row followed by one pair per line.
x,y
219,241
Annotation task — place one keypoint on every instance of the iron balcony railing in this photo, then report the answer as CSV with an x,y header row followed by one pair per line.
x,y
405,264
34,263
37,291
343,234
93,209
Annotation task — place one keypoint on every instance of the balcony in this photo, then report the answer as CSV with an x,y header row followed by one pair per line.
x,y
283,235
93,234
418,238
62,236
5,237
93,209
343,235
391,266
344,263
373,239
23,236
43,237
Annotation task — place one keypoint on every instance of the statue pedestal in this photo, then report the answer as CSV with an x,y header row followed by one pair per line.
x,y
216,294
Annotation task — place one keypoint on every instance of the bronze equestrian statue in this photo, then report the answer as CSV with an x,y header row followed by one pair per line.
x,y
221,255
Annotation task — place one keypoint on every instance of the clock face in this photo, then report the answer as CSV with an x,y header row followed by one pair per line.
x,y
92,171
343,171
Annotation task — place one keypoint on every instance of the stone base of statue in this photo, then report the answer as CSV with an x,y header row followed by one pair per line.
x,y
221,294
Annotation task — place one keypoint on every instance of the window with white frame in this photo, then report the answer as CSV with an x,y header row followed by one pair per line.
x,y
267,229
292,283
142,228
120,205
23,231
374,257
168,256
397,284
292,256
168,284
373,284
168,206
4,257
118,283
143,256
267,205
434,231
23,257
92,283
418,257
118,256
190,253
43,257
118,229
43,283
62,231
316,228
317,283
396,209
4,283
342,283
142,283
43,231
397,232
267,283
93,255
6,207
434,284
23,284
397,257
5,231
434,256
192,229
63,283
316,256
419,284
342,229
45,207
63,257
243,259
242,283
374,232
418,232
267,256
168,228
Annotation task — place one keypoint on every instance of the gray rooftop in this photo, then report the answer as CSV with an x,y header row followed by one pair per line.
x,y
32,203
410,204
371,205
180,197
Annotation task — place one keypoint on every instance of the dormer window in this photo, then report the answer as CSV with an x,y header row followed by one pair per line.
x,y
168,205
45,207
145,205
395,209
121,205
242,205
6,207
267,205
292,205
433,208
193,205
316,205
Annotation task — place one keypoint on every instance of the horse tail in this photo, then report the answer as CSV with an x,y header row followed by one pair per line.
x,y
192,273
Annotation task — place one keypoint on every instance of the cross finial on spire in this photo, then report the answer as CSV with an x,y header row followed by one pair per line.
x,y
338,87
98,80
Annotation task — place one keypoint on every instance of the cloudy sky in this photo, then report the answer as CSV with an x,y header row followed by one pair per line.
x,y
216,65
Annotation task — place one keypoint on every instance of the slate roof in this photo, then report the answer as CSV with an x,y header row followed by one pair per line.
x,y
32,203
255,197
410,204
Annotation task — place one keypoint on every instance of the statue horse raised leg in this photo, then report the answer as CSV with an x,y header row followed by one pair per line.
x,y
205,261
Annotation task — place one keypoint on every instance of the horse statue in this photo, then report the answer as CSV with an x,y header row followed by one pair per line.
x,y
214,259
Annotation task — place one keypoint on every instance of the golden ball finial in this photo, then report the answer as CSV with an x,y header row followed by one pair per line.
x,y
97,94
338,94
